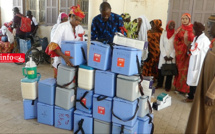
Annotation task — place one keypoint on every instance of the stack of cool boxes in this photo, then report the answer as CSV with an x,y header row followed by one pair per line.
x,y
102,97
29,90
118,106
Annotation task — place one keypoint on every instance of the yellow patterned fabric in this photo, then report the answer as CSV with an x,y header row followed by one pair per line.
x,y
50,49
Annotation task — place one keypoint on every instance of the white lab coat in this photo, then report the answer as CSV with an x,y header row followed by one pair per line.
x,y
64,32
166,49
197,58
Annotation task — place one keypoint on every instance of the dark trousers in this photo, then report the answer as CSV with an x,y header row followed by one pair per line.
x,y
30,36
168,82
192,92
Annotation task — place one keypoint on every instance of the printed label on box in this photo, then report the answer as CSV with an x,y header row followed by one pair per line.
x,y
97,57
101,110
84,100
63,119
120,62
31,72
67,53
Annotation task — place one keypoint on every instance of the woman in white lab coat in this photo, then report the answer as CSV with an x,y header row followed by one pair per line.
x,y
198,51
167,54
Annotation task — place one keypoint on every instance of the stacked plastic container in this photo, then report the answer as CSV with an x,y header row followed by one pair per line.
x,y
100,97
105,83
130,109
29,90
46,98
126,103
66,89
83,120
117,99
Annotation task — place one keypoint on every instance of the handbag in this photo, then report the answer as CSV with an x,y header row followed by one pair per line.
x,y
169,69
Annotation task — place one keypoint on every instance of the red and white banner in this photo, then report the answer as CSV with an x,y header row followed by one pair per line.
x,y
12,58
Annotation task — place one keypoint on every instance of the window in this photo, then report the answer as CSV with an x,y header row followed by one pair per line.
x,y
66,4
30,5
47,11
42,13
19,4
84,7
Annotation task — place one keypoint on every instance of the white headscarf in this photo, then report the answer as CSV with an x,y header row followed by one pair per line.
x,y
59,18
142,35
145,26
56,25
10,36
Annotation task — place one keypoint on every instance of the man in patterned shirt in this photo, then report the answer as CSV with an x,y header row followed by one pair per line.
x,y
105,25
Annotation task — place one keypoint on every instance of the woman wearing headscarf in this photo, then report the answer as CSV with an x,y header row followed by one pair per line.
x,y
199,48
127,23
62,17
68,31
202,114
142,28
184,36
167,54
126,20
151,64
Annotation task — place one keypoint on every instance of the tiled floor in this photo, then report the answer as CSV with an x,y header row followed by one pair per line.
x,y
169,120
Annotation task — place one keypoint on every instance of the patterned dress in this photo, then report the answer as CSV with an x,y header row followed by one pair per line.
x,y
150,67
182,58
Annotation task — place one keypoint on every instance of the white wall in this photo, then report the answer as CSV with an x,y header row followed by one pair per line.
x,y
6,11
152,9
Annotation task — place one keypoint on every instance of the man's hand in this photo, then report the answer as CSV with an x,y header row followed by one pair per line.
x,y
67,60
209,101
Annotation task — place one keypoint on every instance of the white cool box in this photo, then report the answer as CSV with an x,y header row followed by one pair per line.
x,y
163,101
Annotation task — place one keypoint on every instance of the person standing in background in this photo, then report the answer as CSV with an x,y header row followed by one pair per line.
x,y
34,23
142,27
184,36
34,26
17,23
62,17
198,51
150,66
167,54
